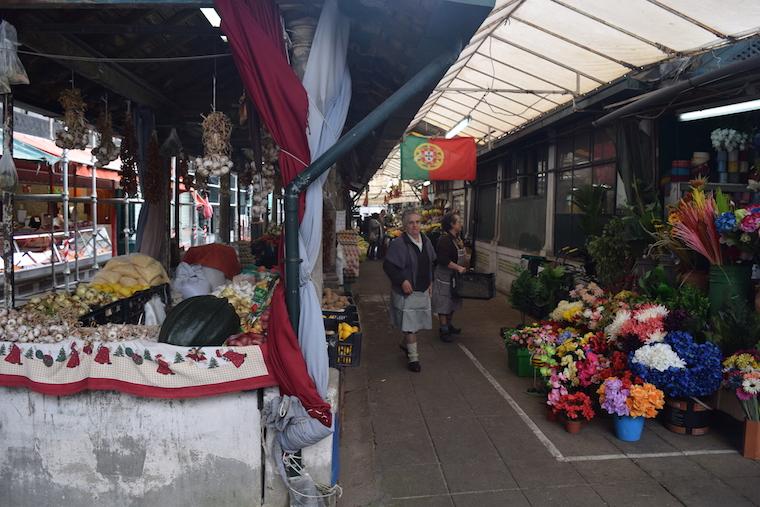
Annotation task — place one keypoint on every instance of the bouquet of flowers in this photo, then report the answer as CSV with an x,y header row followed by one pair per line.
x,y
569,312
624,398
738,228
742,373
645,321
729,140
532,336
679,366
574,406
693,223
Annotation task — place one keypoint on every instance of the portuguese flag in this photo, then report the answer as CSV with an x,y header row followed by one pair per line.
x,y
436,158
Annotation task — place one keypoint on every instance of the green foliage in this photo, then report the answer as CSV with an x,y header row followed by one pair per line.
x,y
589,199
539,295
654,284
611,253
736,327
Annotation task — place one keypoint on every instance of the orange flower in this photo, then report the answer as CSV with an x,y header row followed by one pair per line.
x,y
645,400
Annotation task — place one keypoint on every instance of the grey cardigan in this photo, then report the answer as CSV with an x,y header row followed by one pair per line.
x,y
401,262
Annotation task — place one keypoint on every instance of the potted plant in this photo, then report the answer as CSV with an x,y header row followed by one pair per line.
x,y
629,405
742,373
572,408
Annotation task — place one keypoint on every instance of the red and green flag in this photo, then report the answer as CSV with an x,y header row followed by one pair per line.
x,y
437,159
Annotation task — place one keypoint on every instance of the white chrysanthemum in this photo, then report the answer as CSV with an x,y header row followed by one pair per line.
x,y
658,356
651,313
656,337
621,317
588,313
751,385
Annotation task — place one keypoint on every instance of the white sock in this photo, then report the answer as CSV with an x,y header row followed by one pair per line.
x,y
412,352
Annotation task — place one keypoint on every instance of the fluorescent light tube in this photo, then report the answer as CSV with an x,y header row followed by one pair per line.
x,y
740,107
458,127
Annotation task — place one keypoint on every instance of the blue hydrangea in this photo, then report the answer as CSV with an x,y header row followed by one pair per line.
x,y
726,222
702,375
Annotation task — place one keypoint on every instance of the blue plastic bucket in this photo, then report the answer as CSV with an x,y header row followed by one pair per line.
x,y
627,428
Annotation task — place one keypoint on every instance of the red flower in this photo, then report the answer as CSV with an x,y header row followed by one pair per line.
x,y
575,405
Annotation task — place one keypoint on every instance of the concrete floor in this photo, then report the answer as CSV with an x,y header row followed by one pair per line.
x,y
466,432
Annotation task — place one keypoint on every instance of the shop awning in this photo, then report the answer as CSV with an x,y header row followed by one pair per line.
x,y
532,56
25,151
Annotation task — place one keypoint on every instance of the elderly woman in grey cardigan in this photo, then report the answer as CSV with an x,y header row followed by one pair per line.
x,y
409,265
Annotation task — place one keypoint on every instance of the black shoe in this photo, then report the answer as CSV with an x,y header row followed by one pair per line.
x,y
446,337
414,366
454,330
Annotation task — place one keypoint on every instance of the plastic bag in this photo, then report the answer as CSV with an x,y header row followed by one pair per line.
x,y
8,173
12,71
190,281
154,312
214,276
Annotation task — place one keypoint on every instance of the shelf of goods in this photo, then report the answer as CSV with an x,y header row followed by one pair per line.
x,y
349,240
739,193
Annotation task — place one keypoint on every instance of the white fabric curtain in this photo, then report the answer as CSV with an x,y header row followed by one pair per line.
x,y
328,85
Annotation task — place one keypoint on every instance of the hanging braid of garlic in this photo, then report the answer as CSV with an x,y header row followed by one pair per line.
x,y
106,151
74,135
216,161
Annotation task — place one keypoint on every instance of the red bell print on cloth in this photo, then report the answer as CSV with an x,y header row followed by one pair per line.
x,y
74,359
235,358
14,356
103,356
163,366
87,349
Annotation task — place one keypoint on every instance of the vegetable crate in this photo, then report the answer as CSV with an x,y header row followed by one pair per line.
x,y
128,310
342,352
518,360
349,314
471,285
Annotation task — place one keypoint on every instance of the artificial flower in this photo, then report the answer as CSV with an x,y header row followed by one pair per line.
x,y
726,222
750,223
751,385
645,400
658,356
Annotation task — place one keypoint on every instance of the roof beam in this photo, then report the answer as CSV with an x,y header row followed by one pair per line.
x,y
120,29
476,110
126,4
501,90
629,66
691,20
509,84
109,75
546,58
657,45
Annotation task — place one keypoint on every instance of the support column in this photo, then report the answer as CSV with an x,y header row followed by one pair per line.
x,y
8,208
551,199
224,208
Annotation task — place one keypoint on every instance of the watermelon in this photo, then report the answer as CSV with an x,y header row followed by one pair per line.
x,y
200,321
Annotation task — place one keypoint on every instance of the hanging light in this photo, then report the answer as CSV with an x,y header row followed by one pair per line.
x,y
739,107
459,127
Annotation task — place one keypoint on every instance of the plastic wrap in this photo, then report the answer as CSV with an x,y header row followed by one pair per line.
x,y
12,71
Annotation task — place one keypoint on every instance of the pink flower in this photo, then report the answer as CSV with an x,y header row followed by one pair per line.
x,y
750,223
743,395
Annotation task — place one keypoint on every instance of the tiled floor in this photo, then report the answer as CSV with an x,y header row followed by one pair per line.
x,y
447,437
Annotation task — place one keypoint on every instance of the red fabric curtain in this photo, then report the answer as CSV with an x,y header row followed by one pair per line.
x,y
255,36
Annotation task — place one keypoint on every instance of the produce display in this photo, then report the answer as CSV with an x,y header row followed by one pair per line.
x,y
69,307
127,274
250,295
349,240
331,300
345,330
200,321
25,325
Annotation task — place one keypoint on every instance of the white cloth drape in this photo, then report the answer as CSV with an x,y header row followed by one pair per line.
x,y
328,85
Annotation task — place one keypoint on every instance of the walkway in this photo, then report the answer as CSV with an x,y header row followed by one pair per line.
x,y
465,432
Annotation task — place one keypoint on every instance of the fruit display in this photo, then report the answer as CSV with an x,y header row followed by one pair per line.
x,y
250,295
393,233
346,330
25,325
332,300
69,307
127,274
362,245
200,321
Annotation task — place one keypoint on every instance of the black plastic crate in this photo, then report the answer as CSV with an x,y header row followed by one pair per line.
x,y
471,285
128,310
342,353
350,314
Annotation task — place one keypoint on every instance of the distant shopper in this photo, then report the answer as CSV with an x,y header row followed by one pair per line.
x,y
374,235
451,256
409,265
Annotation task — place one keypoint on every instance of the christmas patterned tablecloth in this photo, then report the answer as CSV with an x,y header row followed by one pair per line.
x,y
140,368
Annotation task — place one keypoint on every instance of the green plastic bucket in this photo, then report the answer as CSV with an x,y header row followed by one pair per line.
x,y
727,282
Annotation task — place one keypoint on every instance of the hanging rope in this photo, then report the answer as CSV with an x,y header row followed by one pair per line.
x,y
122,60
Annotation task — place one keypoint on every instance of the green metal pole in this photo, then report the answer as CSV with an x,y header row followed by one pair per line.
x,y
415,85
